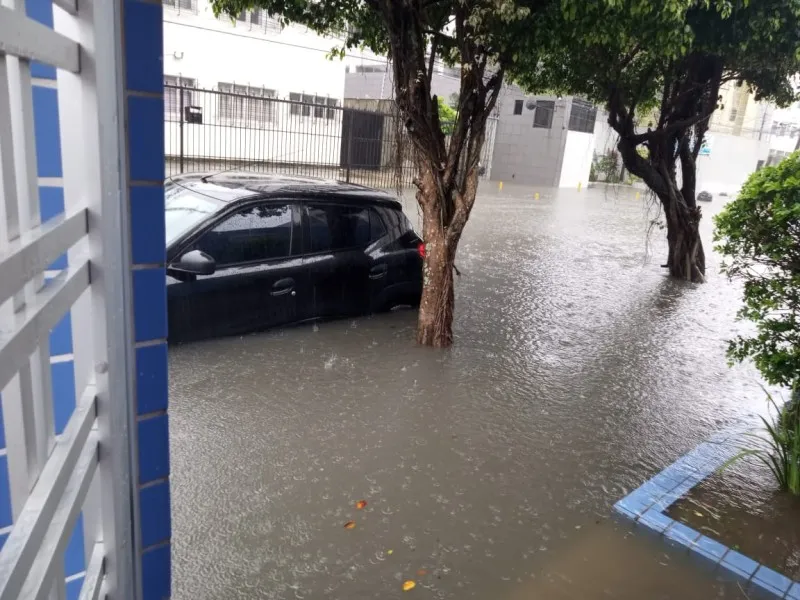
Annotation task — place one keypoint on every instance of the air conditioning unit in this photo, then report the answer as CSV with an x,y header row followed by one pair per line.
x,y
193,114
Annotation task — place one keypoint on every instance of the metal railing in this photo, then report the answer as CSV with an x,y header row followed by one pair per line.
x,y
53,479
210,130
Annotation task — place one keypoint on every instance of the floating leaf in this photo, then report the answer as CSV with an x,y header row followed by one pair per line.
x,y
390,552
409,585
361,504
350,525
422,573
698,513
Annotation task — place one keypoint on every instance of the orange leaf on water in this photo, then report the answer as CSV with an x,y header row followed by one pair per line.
x,y
409,585
422,573
350,525
361,504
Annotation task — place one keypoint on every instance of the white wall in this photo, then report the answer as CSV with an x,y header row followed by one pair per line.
x,y
578,154
210,50
732,160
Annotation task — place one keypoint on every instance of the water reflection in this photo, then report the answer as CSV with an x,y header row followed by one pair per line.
x,y
578,371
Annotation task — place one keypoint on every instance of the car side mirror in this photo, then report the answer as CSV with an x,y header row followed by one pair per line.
x,y
196,262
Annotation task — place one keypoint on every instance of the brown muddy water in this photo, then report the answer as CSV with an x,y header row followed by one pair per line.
x,y
490,469
743,508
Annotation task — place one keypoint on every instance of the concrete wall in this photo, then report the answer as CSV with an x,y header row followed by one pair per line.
x,y
525,154
210,50
578,155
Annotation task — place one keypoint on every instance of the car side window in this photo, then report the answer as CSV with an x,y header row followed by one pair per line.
x,y
335,227
256,233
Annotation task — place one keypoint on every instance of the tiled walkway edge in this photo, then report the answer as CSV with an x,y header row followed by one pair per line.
x,y
647,506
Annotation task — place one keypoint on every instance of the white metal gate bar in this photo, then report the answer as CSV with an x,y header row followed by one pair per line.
x,y
27,39
50,477
34,250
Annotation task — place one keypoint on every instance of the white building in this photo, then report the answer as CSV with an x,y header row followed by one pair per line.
x,y
265,66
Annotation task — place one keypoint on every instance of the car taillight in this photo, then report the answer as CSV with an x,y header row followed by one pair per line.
x,y
421,249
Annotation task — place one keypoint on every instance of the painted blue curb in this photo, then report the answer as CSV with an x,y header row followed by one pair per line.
x,y
647,506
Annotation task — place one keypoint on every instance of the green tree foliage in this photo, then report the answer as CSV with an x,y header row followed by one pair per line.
x,y
759,236
481,37
447,116
663,62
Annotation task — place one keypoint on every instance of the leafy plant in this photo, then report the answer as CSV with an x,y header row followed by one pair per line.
x,y
779,449
758,235
447,116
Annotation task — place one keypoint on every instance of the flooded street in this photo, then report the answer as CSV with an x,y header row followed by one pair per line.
x,y
489,470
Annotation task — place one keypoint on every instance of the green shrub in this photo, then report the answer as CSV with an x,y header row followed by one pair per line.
x,y
779,449
758,235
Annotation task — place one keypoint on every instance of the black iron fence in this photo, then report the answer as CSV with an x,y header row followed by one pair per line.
x,y
210,130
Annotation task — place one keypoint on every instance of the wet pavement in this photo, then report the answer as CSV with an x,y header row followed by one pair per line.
x,y
489,470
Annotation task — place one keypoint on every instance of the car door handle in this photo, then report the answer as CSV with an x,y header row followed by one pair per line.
x,y
378,271
283,287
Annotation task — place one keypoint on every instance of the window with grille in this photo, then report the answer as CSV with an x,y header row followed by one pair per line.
x,y
582,116
543,116
245,105
331,112
272,24
734,114
172,103
182,4
305,109
295,99
319,111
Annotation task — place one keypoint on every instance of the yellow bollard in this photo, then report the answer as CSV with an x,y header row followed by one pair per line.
x,y
579,186
500,186
536,196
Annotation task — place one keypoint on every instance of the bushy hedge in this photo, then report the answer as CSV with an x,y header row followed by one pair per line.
x,y
758,235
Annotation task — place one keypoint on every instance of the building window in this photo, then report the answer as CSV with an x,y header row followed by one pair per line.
x,y
734,114
182,4
272,24
582,116
517,107
306,105
331,112
543,117
305,109
295,99
243,104
172,86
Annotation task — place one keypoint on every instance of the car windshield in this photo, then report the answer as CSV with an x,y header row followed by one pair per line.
x,y
184,209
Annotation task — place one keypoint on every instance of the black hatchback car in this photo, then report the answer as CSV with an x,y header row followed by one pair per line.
x,y
247,252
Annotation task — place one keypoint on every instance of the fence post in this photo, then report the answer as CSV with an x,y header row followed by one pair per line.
x,y
180,121
349,144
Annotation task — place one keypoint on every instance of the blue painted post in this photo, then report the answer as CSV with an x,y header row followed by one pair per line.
x,y
143,35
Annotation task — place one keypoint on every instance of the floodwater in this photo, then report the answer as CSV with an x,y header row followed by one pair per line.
x,y
743,507
489,470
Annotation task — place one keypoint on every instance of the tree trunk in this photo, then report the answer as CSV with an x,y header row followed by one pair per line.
x,y
435,326
686,258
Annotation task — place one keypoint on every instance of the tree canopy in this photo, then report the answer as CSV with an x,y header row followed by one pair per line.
x,y
666,61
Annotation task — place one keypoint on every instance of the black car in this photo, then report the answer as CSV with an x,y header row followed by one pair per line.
x,y
247,252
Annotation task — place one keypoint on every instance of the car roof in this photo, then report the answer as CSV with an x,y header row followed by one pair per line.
x,y
231,186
